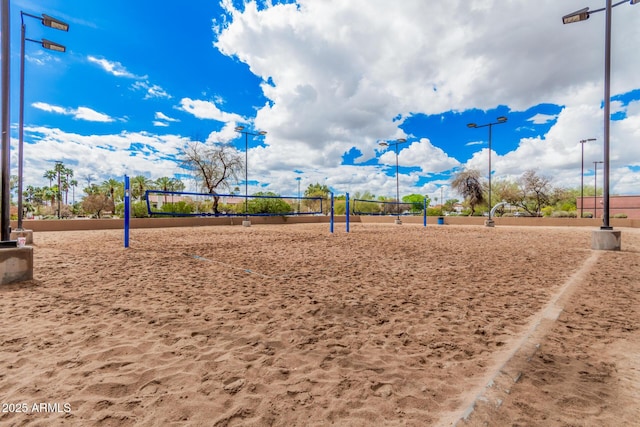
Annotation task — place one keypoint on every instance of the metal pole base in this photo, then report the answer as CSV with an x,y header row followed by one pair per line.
x,y
489,223
246,223
397,221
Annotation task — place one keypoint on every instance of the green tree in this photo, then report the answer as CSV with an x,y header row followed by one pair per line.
x,y
140,184
50,175
449,205
271,205
164,184
416,202
467,183
316,190
74,184
372,208
169,184
67,174
113,188
92,189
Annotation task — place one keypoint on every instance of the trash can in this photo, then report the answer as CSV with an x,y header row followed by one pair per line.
x,y
440,220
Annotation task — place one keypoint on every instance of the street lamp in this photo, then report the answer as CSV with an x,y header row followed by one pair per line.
x,y
582,142
595,187
500,120
50,22
386,144
582,15
240,129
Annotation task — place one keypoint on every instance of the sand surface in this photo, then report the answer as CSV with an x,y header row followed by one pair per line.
x,y
293,326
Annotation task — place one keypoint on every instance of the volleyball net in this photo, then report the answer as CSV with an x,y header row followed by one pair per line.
x,y
180,203
379,207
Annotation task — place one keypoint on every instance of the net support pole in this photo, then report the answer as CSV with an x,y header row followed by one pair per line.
x,y
424,220
331,215
347,217
127,210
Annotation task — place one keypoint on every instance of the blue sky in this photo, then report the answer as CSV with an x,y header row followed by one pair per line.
x,y
328,80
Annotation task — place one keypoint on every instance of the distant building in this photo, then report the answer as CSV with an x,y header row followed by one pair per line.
x,y
628,205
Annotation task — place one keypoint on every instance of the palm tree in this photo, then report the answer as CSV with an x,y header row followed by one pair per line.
x,y
49,194
467,183
92,190
165,184
177,185
109,187
59,170
73,183
140,184
50,175
68,173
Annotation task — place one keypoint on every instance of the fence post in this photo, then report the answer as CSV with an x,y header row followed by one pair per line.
x,y
425,212
347,218
331,214
127,211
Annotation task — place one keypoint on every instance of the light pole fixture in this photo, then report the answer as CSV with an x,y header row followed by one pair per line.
x,y
595,187
395,144
240,129
499,120
582,142
582,15
50,22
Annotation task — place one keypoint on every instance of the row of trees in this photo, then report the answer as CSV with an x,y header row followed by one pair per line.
x,y
532,194
53,200
215,166
218,166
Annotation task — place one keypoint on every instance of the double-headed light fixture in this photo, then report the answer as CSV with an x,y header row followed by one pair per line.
x,y
240,129
499,120
50,22
395,144
582,15
582,142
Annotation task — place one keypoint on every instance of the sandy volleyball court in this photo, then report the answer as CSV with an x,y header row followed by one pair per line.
x,y
292,326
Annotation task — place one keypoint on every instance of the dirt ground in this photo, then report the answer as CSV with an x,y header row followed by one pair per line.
x,y
293,326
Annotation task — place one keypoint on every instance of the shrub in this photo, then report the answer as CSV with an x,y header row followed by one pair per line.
x,y
563,214
620,215
180,207
272,205
548,211
139,210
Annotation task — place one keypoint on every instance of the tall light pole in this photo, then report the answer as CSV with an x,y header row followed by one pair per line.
x,y
500,120
240,129
441,199
51,23
595,187
5,218
582,15
395,144
582,142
